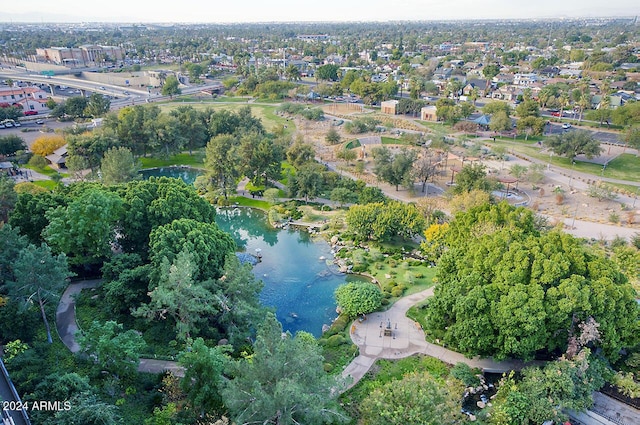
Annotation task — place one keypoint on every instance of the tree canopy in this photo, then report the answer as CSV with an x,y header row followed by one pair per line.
x,y
282,382
505,291
574,143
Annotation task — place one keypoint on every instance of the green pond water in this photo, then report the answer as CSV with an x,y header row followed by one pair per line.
x,y
298,284
187,174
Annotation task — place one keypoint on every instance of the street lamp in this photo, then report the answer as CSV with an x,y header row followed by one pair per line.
x,y
571,176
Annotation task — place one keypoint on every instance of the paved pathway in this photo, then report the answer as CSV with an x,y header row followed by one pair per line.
x,y
68,327
407,339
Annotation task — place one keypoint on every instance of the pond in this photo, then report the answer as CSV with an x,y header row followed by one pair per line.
x,y
187,174
298,274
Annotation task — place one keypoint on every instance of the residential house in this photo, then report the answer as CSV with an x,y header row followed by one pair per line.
x,y
615,101
429,113
550,71
480,85
524,80
503,79
508,93
442,73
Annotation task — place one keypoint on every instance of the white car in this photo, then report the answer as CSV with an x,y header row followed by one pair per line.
x,y
566,126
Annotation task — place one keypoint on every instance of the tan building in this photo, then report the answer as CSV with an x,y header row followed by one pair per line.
x,y
389,107
80,56
429,113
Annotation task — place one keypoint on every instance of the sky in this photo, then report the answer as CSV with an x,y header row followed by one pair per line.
x,y
216,11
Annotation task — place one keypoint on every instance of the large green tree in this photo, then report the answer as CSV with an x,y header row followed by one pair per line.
x,y
394,169
260,157
8,197
472,177
383,221
97,105
179,296
10,144
118,166
574,143
223,163
156,202
39,277
283,382
171,86
416,399
358,298
206,241
113,349
203,376
85,230
506,291
29,214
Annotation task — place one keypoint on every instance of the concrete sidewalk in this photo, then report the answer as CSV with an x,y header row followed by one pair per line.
x,y
404,338
67,327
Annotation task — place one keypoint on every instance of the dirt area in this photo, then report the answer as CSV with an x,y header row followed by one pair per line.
x,y
575,207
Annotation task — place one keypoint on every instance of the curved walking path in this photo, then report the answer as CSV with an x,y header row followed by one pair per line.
x,y
407,339
67,327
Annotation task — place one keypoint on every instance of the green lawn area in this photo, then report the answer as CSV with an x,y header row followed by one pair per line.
x,y
393,141
418,313
624,167
249,202
265,112
196,160
396,276
352,144
47,171
47,184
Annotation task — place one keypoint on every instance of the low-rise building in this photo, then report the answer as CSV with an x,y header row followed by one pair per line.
x,y
429,113
389,107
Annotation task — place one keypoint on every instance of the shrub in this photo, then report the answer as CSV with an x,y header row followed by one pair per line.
x,y
336,340
397,292
614,217
37,162
464,373
339,325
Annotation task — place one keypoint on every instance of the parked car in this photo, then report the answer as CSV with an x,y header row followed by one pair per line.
x,y
39,122
556,114
566,126
7,123
27,113
16,123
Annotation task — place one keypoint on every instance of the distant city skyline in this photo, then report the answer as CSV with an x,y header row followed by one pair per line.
x,y
192,11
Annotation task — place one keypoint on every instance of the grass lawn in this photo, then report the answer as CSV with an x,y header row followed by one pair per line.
x,y
624,167
47,171
393,141
393,274
249,202
286,169
355,143
265,112
47,184
196,160
418,313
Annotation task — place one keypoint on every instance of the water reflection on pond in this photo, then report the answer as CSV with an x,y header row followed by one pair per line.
x,y
297,282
